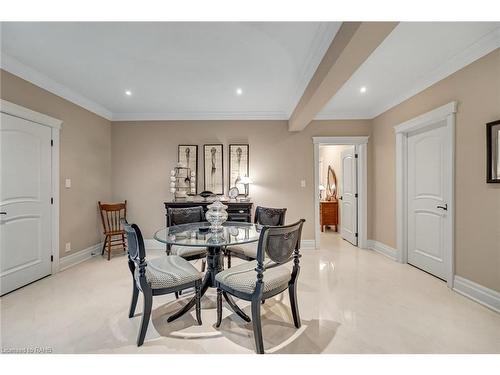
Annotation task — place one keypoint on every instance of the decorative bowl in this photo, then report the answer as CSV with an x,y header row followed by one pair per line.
x,y
216,215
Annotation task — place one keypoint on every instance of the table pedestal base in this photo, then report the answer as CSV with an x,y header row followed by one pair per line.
x,y
214,266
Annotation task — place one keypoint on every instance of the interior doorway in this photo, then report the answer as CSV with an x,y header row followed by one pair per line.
x,y
340,175
338,191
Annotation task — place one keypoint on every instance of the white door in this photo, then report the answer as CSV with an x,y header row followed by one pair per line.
x,y
349,197
427,201
25,193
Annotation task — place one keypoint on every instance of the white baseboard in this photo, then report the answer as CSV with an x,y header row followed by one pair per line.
x,y
308,245
79,257
476,292
383,249
152,244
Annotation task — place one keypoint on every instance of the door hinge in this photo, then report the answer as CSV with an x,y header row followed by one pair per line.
x,y
356,156
51,200
356,195
356,235
51,258
52,142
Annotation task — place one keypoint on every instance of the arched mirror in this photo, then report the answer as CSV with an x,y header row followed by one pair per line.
x,y
331,185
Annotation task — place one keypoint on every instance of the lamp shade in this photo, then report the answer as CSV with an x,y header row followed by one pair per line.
x,y
245,180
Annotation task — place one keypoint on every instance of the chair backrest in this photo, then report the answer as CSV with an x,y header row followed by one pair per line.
x,y
269,216
112,215
280,243
176,216
136,249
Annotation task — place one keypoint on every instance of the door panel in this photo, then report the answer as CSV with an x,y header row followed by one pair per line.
x,y
426,187
349,209
25,190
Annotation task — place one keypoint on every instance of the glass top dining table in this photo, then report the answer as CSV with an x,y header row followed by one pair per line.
x,y
232,233
193,234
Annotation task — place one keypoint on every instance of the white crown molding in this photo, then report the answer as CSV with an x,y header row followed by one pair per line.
x,y
200,116
14,66
322,39
475,51
28,114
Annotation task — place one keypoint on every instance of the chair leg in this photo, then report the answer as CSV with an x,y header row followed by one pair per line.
x,y
109,247
203,265
228,259
197,289
219,308
176,295
135,296
123,243
257,327
104,245
292,291
148,303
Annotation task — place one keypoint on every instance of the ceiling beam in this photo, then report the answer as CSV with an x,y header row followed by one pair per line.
x,y
352,45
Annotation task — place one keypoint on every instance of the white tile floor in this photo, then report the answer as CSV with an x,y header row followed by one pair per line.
x,y
351,301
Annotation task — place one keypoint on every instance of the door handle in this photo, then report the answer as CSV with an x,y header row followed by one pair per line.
x,y
445,207
341,198
3,213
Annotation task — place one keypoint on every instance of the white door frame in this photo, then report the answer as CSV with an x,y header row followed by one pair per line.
x,y
424,122
360,147
55,125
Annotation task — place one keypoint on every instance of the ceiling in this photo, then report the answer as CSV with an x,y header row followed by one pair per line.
x,y
174,70
414,56
192,70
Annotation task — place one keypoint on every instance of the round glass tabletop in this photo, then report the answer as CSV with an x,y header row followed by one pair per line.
x,y
190,234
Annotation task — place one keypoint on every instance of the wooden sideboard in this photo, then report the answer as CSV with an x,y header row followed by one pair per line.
x,y
237,211
329,214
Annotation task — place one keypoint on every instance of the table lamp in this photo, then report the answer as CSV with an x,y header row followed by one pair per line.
x,y
246,181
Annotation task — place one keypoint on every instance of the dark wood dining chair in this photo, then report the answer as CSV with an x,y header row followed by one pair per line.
x,y
257,280
263,216
158,276
112,215
186,215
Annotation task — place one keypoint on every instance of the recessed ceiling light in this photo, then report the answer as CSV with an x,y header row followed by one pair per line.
x,y
362,90
239,91
128,93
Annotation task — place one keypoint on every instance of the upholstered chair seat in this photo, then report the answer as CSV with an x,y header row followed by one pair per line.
x,y
170,271
188,251
248,250
243,278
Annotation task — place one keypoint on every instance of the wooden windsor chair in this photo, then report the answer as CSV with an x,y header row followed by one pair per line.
x,y
114,235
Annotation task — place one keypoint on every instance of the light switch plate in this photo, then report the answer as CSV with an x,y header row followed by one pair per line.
x,y
303,183
67,183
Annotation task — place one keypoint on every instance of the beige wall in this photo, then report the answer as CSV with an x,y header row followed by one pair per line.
x,y
85,158
144,152
477,231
